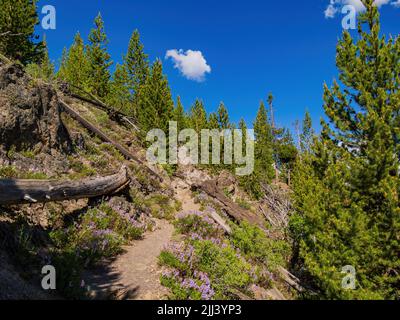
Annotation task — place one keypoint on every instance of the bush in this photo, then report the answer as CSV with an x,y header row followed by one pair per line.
x,y
198,225
256,246
205,266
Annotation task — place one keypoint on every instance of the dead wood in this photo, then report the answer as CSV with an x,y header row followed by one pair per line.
x,y
14,191
232,209
92,128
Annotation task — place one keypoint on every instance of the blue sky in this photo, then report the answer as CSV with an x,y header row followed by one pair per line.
x,y
252,47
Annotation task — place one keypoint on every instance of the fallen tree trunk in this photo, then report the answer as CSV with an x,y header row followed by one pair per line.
x,y
89,126
114,114
219,220
232,209
292,280
14,191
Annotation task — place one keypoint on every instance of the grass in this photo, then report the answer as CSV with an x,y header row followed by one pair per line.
x,y
162,207
10,172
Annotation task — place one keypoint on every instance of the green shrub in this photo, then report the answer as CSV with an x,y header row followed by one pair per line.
x,y
8,172
256,246
198,225
161,206
225,267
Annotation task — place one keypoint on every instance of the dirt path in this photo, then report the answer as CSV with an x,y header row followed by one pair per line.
x,y
184,195
135,275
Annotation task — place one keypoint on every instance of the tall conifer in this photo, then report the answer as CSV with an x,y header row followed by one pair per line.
x,y
99,59
347,192
18,19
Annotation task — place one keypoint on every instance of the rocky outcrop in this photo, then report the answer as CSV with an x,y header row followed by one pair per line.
x,y
29,113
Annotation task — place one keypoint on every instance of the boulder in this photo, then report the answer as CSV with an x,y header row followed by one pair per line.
x,y
29,113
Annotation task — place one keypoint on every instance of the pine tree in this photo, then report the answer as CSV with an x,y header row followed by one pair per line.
x,y
119,96
136,63
179,115
263,169
99,59
307,134
18,19
213,122
46,65
223,117
347,190
74,67
44,69
198,116
286,153
156,106
251,183
271,109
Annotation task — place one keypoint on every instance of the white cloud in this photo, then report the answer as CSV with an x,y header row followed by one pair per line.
x,y
396,4
191,64
334,6
331,10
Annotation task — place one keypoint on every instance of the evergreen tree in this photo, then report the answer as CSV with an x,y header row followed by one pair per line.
x,y
136,63
271,109
263,169
44,69
18,19
74,67
213,122
119,96
223,117
179,115
198,116
286,153
251,183
155,102
99,59
307,134
347,190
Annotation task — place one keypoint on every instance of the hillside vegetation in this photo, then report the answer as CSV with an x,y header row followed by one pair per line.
x,y
310,210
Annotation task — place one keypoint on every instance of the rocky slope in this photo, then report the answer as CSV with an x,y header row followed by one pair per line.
x,y
107,247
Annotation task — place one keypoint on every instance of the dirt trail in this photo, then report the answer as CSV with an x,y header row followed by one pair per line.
x,y
184,195
135,275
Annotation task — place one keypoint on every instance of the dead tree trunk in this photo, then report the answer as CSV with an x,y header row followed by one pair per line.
x,y
14,191
232,209
89,126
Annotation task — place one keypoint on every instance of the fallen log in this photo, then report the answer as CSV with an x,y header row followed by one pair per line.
x,y
14,191
219,220
94,101
231,208
292,280
92,128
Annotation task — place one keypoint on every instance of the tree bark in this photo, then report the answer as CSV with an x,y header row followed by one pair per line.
x,y
13,191
92,128
231,208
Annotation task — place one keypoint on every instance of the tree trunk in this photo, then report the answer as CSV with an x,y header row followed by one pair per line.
x,y
92,128
14,191
231,208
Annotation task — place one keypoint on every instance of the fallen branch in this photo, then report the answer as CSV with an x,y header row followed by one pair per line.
x,y
9,34
89,126
232,209
94,101
13,191
292,280
219,220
